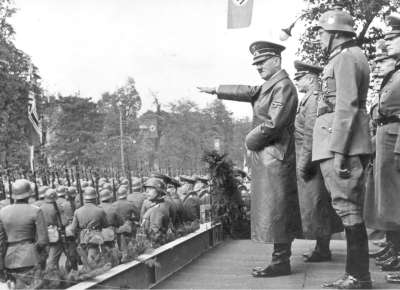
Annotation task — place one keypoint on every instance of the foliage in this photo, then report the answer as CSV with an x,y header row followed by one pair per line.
x,y
368,14
15,83
227,206
74,130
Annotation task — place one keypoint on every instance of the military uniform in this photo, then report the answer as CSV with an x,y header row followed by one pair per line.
x,y
156,220
318,218
383,202
191,207
127,230
88,221
52,223
274,205
341,134
23,237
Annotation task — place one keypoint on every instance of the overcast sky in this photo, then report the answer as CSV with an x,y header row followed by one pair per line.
x,y
167,46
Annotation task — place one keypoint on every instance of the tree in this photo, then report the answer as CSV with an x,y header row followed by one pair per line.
x,y
15,129
73,132
368,14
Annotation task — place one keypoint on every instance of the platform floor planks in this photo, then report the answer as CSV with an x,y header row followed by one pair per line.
x,y
228,266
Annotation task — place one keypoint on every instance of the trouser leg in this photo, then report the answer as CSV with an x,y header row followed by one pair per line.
x,y
347,196
55,251
72,255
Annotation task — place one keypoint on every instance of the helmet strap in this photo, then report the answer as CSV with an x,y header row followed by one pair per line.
x,y
329,48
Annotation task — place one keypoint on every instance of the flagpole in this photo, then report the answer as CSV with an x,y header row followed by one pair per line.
x,y
31,157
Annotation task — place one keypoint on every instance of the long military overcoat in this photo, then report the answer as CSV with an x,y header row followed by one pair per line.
x,y
318,217
382,204
275,213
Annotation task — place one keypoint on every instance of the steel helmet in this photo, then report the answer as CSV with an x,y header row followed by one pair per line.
x,y
42,190
71,191
105,195
122,192
107,186
336,20
21,189
50,194
61,190
89,193
156,183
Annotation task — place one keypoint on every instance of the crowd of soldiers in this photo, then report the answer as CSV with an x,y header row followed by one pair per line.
x,y
93,222
316,168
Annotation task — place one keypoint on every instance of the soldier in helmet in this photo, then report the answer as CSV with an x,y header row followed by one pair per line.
x,y
114,220
41,190
318,218
382,204
23,237
88,222
68,211
341,139
172,187
275,213
155,221
187,184
137,197
129,215
52,223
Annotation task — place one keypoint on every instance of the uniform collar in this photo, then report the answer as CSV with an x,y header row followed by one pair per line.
x,y
280,75
339,48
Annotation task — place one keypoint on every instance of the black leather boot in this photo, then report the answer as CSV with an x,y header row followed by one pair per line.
x,y
321,253
280,264
357,274
382,251
358,259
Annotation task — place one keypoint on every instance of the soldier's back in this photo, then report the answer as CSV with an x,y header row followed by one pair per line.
x,y
125,209
24,234
49,213
137,199
90,216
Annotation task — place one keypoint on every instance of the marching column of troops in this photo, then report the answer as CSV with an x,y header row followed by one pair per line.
x,y
347,179
57,230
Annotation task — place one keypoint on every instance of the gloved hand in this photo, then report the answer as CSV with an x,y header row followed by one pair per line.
x,y
256,140
208,90
397,161
340,165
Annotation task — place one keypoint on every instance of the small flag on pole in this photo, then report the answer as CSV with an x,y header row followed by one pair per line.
x,y
239,13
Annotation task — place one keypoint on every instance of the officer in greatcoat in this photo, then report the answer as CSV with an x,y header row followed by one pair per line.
x,y
318,218
23,236
385,201
275,213
341,138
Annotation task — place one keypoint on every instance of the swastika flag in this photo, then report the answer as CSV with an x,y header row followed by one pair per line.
x,y
239,13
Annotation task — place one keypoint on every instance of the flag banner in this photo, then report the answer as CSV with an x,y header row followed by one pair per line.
x,y
33,116
152,128
239,13
32,110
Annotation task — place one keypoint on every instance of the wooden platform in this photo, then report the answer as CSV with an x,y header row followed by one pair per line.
x,y
228,266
